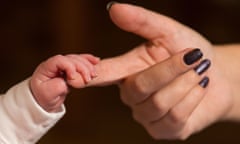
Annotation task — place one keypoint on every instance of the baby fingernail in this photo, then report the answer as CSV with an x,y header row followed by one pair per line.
x,y
94,74
192,56
204,82
203,66
110,4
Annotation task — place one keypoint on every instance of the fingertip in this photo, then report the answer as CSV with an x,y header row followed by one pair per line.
x,y
94,73
204,82
96,60
192,56
123,15
80,83
87,78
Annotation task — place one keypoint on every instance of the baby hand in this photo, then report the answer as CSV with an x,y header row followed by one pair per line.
x,y
49,82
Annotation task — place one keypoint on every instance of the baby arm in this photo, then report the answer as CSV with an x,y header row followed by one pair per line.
x,y
50,81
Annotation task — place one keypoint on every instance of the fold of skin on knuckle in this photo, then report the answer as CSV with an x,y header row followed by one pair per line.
x,y
176,118
156,51
127,93
142,114
140,87
160,106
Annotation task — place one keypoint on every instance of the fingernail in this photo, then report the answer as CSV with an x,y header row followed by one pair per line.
x,y
88,79
94,74
204,82
203,66
110,4
192,56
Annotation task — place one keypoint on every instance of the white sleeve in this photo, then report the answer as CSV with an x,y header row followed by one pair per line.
x,y
22,120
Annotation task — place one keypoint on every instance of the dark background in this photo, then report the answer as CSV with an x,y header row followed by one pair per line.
x,y
32,31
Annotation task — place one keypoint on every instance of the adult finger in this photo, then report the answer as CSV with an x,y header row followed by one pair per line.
x,y
113,70
140,86
171,98
175,124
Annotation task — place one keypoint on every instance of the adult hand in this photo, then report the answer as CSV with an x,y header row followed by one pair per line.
x,y
140,80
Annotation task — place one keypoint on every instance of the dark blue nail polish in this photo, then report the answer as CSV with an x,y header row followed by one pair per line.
x,y
204,82
192,56
203,66
110,4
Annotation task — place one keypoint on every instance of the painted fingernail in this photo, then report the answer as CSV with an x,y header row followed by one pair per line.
x,y
110,4
204,82
192,56
203,66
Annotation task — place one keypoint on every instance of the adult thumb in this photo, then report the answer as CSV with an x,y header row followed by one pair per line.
x,y
155,27
140,21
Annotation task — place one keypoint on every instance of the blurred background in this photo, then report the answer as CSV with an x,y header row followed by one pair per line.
x,y
32,31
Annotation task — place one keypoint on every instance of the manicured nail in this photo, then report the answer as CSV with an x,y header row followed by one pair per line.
x,y
192,56
203,66
204,82
110,4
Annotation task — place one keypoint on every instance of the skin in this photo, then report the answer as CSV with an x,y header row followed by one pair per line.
x,y
159,102
52,78
161,90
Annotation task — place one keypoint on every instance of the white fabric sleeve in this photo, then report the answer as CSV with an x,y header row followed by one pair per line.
x,y
22,120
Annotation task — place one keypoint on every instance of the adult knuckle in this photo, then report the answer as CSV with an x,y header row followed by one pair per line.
x,y
140,85
177,118
160,106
